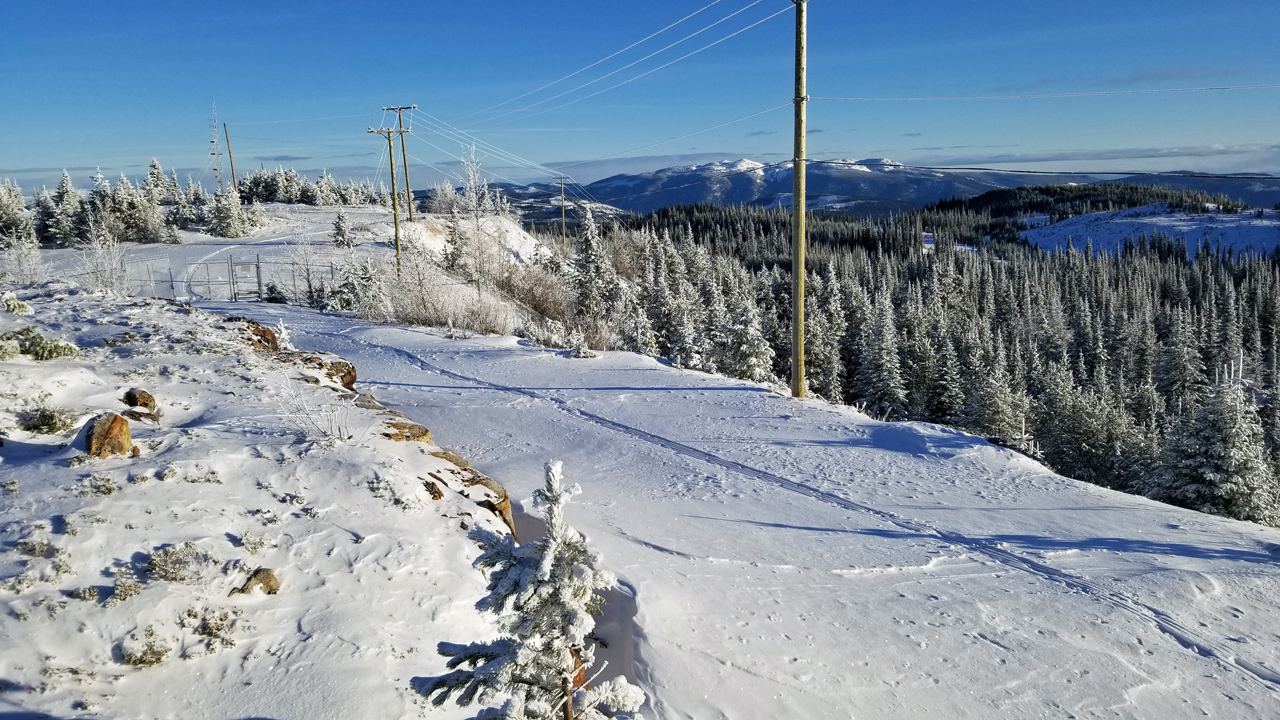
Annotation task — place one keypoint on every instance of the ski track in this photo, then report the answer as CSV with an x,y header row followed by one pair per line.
x,y
1162,620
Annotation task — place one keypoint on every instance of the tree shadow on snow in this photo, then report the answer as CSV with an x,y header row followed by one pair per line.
x,y
1045,543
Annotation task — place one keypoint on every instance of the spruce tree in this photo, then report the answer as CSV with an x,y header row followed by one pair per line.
x,y
749,356
227,217
15,225
879,386
342,235
595,281
1216,461
545,594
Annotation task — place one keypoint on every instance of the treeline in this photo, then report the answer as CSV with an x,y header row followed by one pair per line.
x,y
289,186
1145,371
1060,202
155,209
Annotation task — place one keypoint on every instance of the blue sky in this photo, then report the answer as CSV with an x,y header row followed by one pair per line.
x,y
111,85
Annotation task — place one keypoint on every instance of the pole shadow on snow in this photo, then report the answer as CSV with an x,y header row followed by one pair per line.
x,y
583,388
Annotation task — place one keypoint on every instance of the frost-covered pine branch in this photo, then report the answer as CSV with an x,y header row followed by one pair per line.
x,y
545,595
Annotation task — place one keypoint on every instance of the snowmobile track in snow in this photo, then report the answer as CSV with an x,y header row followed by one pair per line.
x,y
1163,621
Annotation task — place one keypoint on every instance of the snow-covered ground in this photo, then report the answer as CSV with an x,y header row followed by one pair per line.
x,y
1243,231
778,558
256,463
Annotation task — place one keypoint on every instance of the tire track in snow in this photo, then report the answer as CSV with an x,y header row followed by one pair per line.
x,y
1163,621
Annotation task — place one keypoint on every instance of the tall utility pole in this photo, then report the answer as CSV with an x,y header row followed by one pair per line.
x,y
564,224
798,206
404,156
395,203
234,183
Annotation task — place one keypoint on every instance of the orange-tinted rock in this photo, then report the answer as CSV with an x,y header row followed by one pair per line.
x,y
405,431
334,367
108,434
137,397
260,337
453,457
501,506
141,415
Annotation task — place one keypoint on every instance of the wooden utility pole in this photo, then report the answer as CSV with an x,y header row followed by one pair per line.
x,y
234,183
395,203
798,206
404,156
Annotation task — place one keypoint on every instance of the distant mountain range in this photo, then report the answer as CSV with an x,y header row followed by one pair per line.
x,y
873,186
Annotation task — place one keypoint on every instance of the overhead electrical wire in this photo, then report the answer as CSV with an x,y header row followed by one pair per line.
x,y
647,72
679,137
588,67
637,62
429,119
1052,95
298,120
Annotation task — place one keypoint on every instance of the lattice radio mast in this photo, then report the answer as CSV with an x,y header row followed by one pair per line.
x,y
214,150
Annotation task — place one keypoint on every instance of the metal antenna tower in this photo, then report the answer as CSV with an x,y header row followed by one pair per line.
x,y
214,150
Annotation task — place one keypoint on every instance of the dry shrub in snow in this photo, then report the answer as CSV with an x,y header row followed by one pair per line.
x,y
146,651
102,265
13,305
178,563
32,343
538,289
47,420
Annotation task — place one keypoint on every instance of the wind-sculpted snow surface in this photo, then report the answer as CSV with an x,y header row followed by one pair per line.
x,y
796,559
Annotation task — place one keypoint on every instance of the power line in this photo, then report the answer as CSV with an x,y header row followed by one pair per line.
x,y
1052,95
637,77
582,192
588,67
660,67
298,120
679,137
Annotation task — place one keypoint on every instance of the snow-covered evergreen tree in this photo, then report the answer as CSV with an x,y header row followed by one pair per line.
x,y
686,350
635,332
342,235
15,225
880,386
1217,462
361,289
227,217
595,281
749,356
544,593
59,214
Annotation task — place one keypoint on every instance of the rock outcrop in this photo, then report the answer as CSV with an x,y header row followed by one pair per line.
x,y
107,435
263,578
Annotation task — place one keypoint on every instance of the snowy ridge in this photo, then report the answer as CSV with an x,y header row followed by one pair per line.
x,y
1242,231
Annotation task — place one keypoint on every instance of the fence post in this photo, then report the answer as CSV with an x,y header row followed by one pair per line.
x,y
258,265
231,276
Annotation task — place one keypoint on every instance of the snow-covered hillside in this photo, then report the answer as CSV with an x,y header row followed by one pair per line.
x,y
796,559
117,574
777,558
1242,231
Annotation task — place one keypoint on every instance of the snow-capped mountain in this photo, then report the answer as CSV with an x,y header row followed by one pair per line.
x,y
869,185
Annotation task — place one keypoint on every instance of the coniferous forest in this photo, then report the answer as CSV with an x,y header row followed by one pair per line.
x,y
1146,371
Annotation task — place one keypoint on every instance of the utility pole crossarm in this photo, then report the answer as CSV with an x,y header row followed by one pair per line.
x,y
404,155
